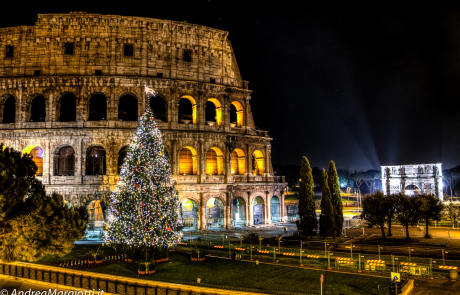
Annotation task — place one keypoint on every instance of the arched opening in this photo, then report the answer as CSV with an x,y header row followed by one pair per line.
x,y
257,163
412,190
95,161
187,161
121,157
187,110
238,161
275,209
238,212
127,108
96,219
37,156
159,108
214,161
64,161
38,109
9,110
214,214
68,108
213,112
189,214
97,108
258,213
236,114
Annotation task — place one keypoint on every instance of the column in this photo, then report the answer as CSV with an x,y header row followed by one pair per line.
x,y
19,110
175,163
229,204
201,111
249,217
142,103
268,207
112,111
267,163
246,111
283,207
78,161
203,211
248,160
50,112
46,164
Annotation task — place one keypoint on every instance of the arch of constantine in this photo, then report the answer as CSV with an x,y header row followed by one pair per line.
x,y
413,179
72,88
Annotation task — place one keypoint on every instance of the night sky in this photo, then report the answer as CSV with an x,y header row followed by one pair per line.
x,y
361,87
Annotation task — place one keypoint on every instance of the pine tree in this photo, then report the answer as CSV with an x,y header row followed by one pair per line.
x,y
33,224
144,207
307,214
334,187
326,220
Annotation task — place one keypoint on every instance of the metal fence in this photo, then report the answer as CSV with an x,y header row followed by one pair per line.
x,y
327,258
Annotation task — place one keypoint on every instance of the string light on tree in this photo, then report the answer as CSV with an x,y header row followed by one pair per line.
x,y
144,207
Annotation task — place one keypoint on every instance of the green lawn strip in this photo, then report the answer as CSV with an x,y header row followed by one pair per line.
x,y
223,272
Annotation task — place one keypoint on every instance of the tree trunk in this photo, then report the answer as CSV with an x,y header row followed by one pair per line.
x,y
426,231
389,227
382,228
407,231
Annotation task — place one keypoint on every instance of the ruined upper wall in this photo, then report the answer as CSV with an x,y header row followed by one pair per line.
x,y
98,43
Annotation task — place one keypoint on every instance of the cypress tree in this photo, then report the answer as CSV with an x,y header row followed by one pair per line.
x,y
333,182
307,223
326,219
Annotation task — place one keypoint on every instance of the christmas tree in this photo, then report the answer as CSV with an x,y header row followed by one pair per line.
x,y
144,207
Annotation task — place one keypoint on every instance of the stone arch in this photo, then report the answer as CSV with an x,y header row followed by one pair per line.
x,y
122,153
96,210
239,211
258,209
213,112
187,110
215,213
95,160
128,108
7,109
236,114
258,163
275,209
159,106
214,161
97,107
64,161
238,162
189,208
188,163
38,109
412,189
37,156
66,107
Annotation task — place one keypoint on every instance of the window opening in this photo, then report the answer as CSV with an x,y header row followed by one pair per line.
x,y
128,50
68,48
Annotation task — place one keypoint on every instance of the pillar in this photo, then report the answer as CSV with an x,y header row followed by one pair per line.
x,y
78,161
248,160
202,211
46,163
283,216
175,164
249,212
246,111
268,207
266,166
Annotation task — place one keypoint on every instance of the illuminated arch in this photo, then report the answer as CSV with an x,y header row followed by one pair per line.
x,y
238,161
189,210
188,161
213,111
96,211
186,112
37,156
236,114
275,209
257,163
258,210
215,213
238,211
214,161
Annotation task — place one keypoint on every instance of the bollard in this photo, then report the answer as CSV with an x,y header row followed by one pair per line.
x,y
198,280
257,262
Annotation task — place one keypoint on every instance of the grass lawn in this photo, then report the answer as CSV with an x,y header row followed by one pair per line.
x,y
222,272
78,252
401,241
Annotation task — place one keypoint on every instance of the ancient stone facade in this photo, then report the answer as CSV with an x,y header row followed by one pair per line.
x,y
69,83
413,179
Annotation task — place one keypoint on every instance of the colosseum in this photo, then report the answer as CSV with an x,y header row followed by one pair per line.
x,y
71,92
